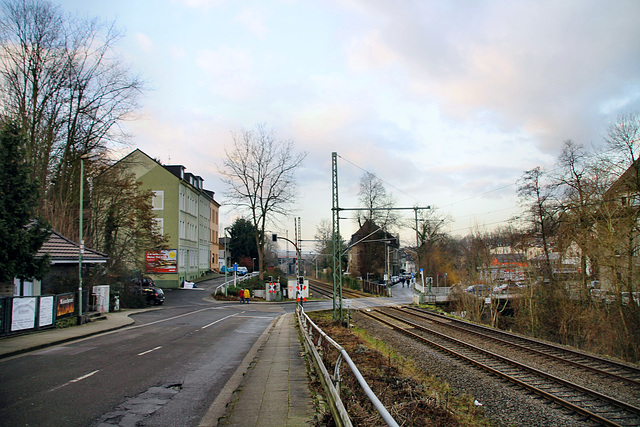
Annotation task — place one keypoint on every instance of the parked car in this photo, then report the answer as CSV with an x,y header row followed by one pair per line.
x,y
147,287
475,289
242,271
506,289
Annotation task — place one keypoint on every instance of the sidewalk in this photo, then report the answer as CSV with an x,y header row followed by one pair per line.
x,y
13,345
270,387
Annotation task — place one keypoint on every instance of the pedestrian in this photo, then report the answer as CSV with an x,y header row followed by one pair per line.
x,y
247,295
241,296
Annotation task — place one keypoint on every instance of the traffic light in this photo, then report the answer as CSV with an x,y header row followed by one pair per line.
x,y
301,280
274,237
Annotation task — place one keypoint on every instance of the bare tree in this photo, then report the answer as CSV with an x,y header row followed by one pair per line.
x,y
259,172
68,91
578,184
378,203
324,245
541,216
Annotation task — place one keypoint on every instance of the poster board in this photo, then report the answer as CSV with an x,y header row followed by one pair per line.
x,y
161,261
23,314
45,317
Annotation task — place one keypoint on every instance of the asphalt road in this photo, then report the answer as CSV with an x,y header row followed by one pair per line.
x,y
165,370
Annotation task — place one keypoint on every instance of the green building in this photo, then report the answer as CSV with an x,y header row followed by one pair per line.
x,y
184,212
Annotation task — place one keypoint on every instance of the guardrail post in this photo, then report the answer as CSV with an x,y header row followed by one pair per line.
x,y
336,374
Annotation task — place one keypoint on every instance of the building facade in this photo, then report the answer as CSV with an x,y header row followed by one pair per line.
x,y
184,212
214,226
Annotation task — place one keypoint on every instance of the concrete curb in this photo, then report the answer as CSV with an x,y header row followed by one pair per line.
x,y
219,406
15,345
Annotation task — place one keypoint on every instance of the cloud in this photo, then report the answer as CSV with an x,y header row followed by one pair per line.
x,y
228,71
542,66
144,43
200,3
254,20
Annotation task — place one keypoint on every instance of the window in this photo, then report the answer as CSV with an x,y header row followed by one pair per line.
x,y
158,200
159,225
181,258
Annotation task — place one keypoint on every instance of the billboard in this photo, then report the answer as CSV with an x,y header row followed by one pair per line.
x,y
23,313
162,261
66,305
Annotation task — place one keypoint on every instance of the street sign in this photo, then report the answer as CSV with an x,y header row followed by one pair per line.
x,y
346,303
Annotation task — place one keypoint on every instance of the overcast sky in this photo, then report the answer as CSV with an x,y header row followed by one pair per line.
x,y
448,102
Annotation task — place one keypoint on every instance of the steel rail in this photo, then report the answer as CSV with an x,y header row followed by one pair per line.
x,y
549,396
467,327
349,292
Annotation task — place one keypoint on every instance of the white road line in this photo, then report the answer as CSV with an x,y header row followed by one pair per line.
x,y
220,320
167,319
149,351
75,380
257,317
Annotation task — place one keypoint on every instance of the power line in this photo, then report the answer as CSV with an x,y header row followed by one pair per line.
x,y
366,171
412,197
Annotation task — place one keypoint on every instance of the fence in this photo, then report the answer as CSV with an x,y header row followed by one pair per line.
x,y
33,313
331,384
374,288
231,280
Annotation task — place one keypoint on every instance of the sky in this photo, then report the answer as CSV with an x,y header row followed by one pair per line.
x,y
447,102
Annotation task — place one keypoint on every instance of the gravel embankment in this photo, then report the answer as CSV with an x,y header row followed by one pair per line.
x,y
502,402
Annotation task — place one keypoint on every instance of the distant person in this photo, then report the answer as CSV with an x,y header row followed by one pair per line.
x,y
247,295
241,296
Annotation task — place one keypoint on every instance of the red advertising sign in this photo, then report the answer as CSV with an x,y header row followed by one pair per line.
x,y
164,261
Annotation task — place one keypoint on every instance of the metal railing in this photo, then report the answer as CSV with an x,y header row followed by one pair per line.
x,y
238,279
333,382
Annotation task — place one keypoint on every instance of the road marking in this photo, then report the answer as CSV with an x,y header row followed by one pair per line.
x,y
257,317
149,351
75,380
167,319
220,320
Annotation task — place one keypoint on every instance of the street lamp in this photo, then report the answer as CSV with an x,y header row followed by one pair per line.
x,y
81,247
226,242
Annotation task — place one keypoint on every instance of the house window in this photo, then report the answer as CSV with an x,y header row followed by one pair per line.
x,y
158,200
159,225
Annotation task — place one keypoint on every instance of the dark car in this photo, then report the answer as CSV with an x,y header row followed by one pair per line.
x,y
147,287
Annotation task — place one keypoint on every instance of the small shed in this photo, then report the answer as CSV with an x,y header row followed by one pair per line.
x,y
64,257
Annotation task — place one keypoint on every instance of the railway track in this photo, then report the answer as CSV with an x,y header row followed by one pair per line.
x,y
586,362
326,290
600,408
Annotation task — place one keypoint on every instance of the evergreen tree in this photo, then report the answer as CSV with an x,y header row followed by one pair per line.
x,y
242,244
21,234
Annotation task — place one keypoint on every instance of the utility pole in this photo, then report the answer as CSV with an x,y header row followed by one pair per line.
x,y
337,256
275,238
81,239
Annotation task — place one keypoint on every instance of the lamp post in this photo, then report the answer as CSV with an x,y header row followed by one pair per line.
x,y
226,242
81,247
